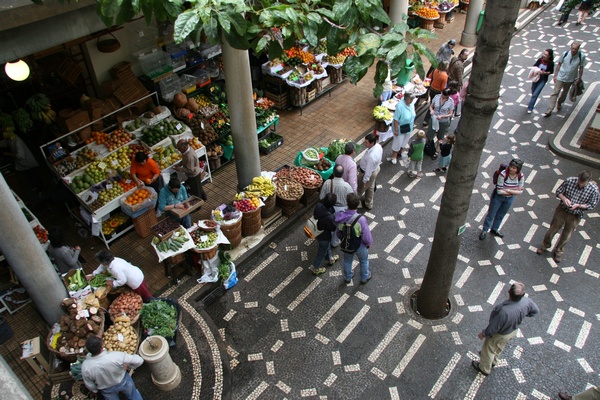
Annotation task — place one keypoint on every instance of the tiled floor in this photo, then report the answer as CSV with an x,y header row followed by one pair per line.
x,y
345,113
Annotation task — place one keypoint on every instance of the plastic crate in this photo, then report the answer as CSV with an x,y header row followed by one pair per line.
x,y
178,63
278,142
169,87
188,83
202,78
156,64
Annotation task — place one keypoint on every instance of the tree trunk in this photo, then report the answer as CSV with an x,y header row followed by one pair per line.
x,y
491,57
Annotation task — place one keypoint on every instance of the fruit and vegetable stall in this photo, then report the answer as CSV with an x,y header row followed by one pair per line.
x,y
97,171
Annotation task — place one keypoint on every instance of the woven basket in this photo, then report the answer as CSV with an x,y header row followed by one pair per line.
x,y
144,223
72,357
251,222
232,231
269,207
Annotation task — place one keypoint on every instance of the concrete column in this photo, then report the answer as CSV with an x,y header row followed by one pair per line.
x,y
469,35
398,8
238,85
27,259
12,388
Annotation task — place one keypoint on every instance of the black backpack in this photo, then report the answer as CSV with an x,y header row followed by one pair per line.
x,y
349,242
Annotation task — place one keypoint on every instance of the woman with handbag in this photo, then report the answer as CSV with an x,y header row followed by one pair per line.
x,y
324,214
439,81
442,110
545,64
404,120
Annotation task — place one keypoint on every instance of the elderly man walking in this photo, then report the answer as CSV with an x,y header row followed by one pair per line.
x,y
337,186
456,67
504,322
576,195
346,160
569,70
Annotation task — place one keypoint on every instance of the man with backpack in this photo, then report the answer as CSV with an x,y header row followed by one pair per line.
x,y
509,182
569,70
355,238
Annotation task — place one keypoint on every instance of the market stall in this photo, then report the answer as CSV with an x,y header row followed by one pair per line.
x,y
96,170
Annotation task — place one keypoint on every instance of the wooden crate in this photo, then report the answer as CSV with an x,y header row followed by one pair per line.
x,y
310,95
281,100
335,74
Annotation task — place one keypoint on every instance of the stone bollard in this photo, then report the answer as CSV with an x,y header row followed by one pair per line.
x,y
165,373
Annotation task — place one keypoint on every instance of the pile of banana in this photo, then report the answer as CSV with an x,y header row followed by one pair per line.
x,y
22,120
262,186
40,108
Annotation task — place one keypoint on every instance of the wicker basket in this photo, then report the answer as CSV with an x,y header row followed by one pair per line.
x,y
144,223
269,208
72,357
233,231
251,222
207,254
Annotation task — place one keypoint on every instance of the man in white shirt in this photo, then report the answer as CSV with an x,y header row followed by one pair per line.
x,y
124,273
368,169
106,371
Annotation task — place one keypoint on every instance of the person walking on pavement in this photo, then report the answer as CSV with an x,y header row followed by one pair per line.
x,y
583,11
505,319
346,160
337,186
124,273
592,393
545,64
324,214
190,166
415,154
361,229
456,67
403,125
576,194
441,110
106,371
569,70
510,183
444,53
368,170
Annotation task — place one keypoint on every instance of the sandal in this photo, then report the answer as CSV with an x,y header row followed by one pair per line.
x,y
438,170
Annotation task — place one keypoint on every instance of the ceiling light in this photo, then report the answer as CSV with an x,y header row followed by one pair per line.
x,y
17,71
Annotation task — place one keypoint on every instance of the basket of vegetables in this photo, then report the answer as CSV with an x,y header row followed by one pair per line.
x,y
310,156
121,336
129,304
288,192
161,317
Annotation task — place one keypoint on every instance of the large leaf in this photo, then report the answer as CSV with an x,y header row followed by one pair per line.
x,y
416,59
106,20
367,43
310,33
236,41
357,67
260,46
110,8
397,50
422,49
185,23
266,18
238,22
126,13
275,50
224,22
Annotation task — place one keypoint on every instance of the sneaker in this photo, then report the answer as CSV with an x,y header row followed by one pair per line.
x,y
334,259
394,161
558,107
528,111
367,280
316,271
425,125
540,251
557,258
547,114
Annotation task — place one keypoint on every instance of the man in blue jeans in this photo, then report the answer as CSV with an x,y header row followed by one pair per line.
x,y
510,184
106,371
361,229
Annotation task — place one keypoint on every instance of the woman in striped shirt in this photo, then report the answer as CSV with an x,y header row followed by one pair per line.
x,y
510,184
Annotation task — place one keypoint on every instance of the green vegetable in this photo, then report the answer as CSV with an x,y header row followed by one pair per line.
x,y
160,318
98,281
336,148
224,270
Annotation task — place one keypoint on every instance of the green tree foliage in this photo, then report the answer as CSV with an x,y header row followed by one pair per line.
x,y
272,26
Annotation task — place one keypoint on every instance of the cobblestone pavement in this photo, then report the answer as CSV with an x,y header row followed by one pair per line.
x,y
289,334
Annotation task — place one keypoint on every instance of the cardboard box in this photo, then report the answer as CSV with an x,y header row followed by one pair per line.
x,y
180,213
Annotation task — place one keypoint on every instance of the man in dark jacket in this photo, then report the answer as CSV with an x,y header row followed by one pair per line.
x,y
324,215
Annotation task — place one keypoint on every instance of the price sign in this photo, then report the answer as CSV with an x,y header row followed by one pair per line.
x,y
178,126
101,165
128,181
120,337
202,125
203,238
109,186
115,162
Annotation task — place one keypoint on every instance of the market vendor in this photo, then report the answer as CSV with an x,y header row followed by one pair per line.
x,y
145,171
124,273
172,196
190,166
